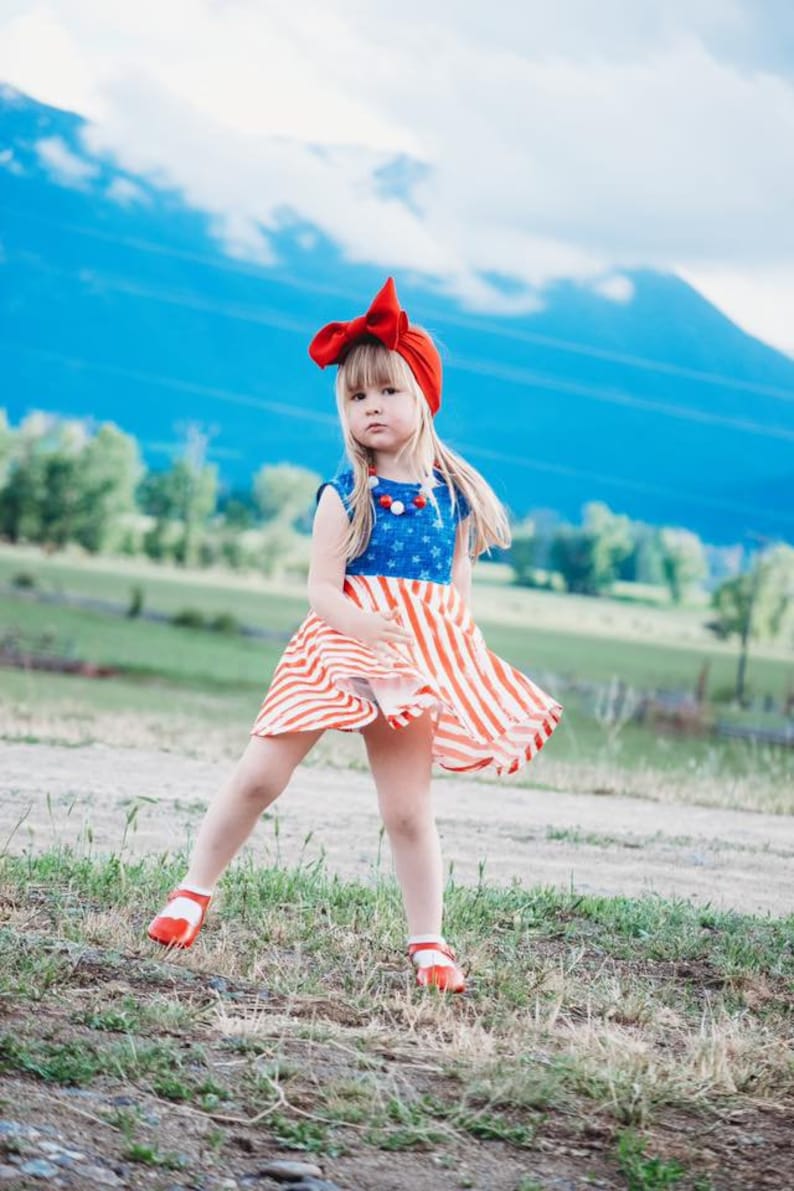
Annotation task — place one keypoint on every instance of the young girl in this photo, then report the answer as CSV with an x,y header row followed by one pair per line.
x,y
389,647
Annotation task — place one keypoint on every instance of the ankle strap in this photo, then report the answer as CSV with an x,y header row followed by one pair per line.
x,y
202,899
438,945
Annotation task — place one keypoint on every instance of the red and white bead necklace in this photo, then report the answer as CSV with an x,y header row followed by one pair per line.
x,y
398,507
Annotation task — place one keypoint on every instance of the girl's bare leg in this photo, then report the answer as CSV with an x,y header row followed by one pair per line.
x,y
261,774
401,766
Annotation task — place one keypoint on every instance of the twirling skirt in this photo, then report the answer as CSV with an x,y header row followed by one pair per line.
x,y
485,713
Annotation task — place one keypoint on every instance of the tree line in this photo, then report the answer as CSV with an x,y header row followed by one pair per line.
x,y
62,483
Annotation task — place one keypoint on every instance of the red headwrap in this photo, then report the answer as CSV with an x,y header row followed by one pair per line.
x,y
386,321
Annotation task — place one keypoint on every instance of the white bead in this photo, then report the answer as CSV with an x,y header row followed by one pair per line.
x,y
397,507
372,481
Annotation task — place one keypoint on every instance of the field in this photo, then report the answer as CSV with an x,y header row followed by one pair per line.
x,y
625,907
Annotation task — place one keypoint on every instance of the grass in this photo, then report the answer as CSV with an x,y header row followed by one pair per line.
x,y
199,692
593,1025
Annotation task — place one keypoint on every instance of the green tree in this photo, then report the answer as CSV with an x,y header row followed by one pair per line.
x,y
589,555
683,561
522,553
285,493
110,468
757,605
181,500
39,462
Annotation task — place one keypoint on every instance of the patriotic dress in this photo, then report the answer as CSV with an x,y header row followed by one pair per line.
x,y
485,713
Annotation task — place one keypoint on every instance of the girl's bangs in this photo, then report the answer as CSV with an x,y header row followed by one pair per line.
x,y
370,365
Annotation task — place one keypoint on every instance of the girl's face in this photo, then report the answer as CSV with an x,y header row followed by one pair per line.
x,y
381,417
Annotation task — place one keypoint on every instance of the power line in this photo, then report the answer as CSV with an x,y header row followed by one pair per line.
x,y
634,485
230,396
575,347
523,376
510,373
248,400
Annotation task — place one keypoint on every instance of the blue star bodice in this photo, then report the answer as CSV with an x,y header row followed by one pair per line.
x,y
416,544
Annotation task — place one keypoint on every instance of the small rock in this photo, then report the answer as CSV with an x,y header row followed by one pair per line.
x,y
14,1129
291,1172
315,1185
101,1175
217,984
8,1172
40,1168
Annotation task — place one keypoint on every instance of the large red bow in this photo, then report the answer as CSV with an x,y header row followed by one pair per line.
x,y
384,319
388,322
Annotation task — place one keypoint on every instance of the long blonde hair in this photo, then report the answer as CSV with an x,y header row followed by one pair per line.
x,y
367,365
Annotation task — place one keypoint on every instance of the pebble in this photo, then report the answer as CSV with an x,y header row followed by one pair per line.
x,y
101,1175
40,1168
14,1129
290,1172
315,1185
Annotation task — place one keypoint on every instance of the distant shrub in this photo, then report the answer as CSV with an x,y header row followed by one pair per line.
x,y
224,622
194,618
24,580
189,618
135,606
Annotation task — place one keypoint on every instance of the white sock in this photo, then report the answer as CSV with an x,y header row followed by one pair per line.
x,y
429,957
185,907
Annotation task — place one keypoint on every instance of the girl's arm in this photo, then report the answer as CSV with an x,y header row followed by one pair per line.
x,y
461,562
327,577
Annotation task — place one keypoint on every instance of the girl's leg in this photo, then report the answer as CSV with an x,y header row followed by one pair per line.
x,y
259,777
401,765
261,774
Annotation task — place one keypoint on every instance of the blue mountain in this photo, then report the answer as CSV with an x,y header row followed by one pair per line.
x,y
131,311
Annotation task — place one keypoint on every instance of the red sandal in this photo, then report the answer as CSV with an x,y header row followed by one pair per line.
x,y
179,932
446,977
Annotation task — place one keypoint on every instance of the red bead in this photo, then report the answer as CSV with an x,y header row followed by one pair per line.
x,y
385,501
420,501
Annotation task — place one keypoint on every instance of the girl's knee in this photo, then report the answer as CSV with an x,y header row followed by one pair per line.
x,y
407,823
260,784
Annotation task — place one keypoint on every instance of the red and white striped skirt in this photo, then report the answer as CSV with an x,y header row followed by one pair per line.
x,y
485,713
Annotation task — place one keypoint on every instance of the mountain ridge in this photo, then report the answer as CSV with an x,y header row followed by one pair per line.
x,y
132,312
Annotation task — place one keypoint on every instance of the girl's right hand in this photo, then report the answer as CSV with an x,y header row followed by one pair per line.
x,y
380,631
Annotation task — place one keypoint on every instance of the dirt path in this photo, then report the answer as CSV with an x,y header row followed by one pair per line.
x,y
597,844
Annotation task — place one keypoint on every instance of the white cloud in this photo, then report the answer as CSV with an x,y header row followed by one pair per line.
x,y
64,165
616,288
761,301
573,140
126,192
9,162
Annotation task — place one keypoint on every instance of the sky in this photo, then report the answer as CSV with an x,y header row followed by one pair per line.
x,y
491,148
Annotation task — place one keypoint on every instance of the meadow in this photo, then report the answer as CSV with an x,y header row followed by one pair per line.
x,y
605,1041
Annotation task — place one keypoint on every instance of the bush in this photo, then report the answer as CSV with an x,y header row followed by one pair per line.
x,y
135,606
189,618
224,622
24,580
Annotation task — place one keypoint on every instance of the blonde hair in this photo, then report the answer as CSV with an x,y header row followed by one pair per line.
x,y
368,365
